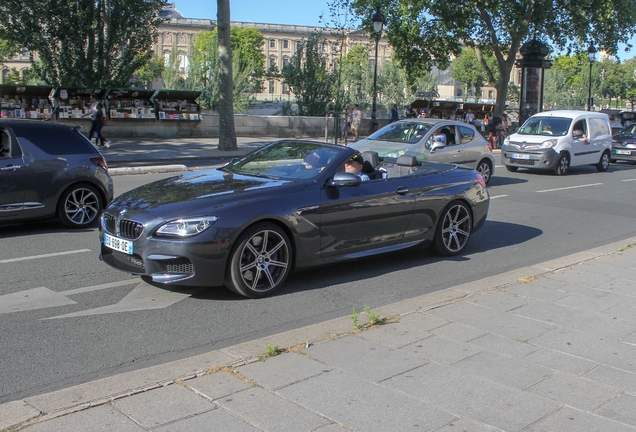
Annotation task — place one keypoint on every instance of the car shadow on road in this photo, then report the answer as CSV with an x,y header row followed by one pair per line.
x,y
504,181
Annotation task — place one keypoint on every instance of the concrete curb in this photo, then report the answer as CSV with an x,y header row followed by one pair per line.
x,y
17,414
147,169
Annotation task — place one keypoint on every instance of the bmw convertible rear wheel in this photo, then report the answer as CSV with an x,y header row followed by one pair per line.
x,y
260,261
453,230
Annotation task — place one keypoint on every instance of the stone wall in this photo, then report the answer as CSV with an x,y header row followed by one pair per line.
x,y
245,125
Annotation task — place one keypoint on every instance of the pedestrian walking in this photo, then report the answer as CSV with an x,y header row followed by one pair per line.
x,y
394,114
100,122
92,113
470,117
356,120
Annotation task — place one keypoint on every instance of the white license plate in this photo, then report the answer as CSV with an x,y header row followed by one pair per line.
x,y
118,244
623,152
520,156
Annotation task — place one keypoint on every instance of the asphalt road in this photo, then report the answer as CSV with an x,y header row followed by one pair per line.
x,y
67,318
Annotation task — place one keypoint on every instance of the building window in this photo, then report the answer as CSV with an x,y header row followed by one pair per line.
x,y
285,61
272,62
298,45
272,43
491,94
372,64
285,43
5,75
271,86
285,89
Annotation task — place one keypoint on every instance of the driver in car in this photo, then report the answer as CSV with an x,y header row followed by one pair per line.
x,y
354,166
438,136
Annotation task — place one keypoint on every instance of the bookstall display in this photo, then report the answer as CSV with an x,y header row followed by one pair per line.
x,y
75,102
130,104
177,105
25,102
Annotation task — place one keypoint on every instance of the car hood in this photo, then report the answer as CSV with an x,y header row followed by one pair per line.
x,y
383,148
199,193
530,139
627,138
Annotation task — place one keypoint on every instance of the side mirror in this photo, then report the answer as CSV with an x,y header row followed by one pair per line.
x,y
344,179
437,145
577,133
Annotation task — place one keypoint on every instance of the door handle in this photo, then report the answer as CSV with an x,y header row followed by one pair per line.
x,y
10,168
402,190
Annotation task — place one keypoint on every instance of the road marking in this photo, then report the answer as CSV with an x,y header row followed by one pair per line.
x,y
571,187
43,256
630,180
498,196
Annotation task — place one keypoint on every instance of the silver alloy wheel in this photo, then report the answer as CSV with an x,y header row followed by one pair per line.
x,y
264,261
81,206
456,227
484,169
562,165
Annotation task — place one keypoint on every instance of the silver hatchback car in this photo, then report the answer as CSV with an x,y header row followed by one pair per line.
x,y
432,140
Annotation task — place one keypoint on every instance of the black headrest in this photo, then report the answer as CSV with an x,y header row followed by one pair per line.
x,y
371,157
367,168
405,160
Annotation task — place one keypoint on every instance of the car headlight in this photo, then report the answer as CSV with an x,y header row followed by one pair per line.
x,y
549,143
507,140
187,227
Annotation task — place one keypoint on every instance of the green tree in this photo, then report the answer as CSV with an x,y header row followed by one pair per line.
x,y
8,50
13,77
149,72
467,69
173,73
83,42
356,75
308,77
424,32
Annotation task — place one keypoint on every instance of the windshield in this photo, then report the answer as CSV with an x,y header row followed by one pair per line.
x,y
629,130
286,160
548,126
402,132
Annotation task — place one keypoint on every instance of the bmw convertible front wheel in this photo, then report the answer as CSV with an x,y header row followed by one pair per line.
x,y
260,261
453,230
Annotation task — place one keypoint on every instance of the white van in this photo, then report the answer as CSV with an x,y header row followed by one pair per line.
x,y
557,140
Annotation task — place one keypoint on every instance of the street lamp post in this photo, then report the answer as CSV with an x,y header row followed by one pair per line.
x,y
591,55
378,23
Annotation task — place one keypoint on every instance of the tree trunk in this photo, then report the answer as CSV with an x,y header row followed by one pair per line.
x,y
227,134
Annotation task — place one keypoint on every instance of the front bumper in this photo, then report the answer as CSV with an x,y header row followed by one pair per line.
x,y
622,153
534,159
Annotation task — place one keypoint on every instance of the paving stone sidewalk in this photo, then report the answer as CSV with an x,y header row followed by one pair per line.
x,y
550,347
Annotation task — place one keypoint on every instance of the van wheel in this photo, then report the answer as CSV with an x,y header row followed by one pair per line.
x,y
563,165
603,164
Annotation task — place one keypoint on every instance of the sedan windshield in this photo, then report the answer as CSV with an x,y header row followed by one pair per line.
x,y
403,132
629,130
286,160
548,126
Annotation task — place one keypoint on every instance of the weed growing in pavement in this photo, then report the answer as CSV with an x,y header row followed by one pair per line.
x,y
624,248
527,279
270,352
374,319
354,318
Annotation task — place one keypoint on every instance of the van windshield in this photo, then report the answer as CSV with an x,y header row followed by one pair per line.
x,y
548,126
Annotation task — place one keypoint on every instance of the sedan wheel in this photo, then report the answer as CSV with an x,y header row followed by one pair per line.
x,y
485,169
453,230
260,261
604,163
79,206
563,165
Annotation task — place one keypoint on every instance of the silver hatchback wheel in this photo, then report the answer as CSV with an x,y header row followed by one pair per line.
x,y
485,169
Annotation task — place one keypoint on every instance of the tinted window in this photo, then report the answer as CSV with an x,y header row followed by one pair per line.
x,y
55,141
467,134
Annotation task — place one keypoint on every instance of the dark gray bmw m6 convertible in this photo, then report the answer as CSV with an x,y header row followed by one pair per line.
x,y
290,204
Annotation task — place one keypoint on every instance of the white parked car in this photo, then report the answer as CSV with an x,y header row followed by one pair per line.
x,y
557,140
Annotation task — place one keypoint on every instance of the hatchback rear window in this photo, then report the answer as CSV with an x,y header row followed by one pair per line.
x,y
55,141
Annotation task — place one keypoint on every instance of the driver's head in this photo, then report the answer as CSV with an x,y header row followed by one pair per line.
x,y
354,164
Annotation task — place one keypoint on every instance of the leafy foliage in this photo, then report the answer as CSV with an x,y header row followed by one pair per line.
x,y
426,32
149,72
83,42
